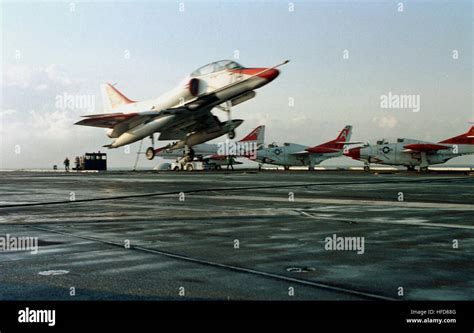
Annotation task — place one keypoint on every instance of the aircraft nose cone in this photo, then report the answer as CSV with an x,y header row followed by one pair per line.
x,y
269,74
353,153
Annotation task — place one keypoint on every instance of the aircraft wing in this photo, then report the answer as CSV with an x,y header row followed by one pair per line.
x,y
301,153
194,121
187,122
106,120
424,147
318,150
110,120
350,142
214,157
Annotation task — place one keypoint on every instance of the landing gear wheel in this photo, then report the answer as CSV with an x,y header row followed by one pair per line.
x,y
366,168
231,134
176,168
150,153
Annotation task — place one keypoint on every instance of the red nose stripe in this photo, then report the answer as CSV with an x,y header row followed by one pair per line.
x,y
270,75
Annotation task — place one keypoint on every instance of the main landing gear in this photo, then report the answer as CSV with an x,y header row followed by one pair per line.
x,y
150,152
423,170
424,162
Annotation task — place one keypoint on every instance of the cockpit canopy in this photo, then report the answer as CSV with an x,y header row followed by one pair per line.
x,y
216,67
276,145
387,141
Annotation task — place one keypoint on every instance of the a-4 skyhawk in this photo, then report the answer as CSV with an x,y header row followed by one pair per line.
x,y
184,113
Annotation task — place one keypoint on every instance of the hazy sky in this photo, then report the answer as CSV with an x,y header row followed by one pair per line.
x,y
51,49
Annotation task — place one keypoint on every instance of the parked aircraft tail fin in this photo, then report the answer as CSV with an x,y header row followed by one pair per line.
x,y
333,146
258,135
463,139
343,137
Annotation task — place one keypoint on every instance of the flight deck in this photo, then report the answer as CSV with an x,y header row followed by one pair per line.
x,y
242,235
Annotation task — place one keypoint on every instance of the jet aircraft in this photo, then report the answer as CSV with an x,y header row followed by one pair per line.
x,y
184,113
413,153
292,154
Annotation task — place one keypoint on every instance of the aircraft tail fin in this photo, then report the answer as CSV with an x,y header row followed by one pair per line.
x,y
343,137
112,98
463,139
258,135
336,145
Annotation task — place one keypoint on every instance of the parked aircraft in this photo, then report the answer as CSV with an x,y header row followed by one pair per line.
x,y
291,154
411,152
217,153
